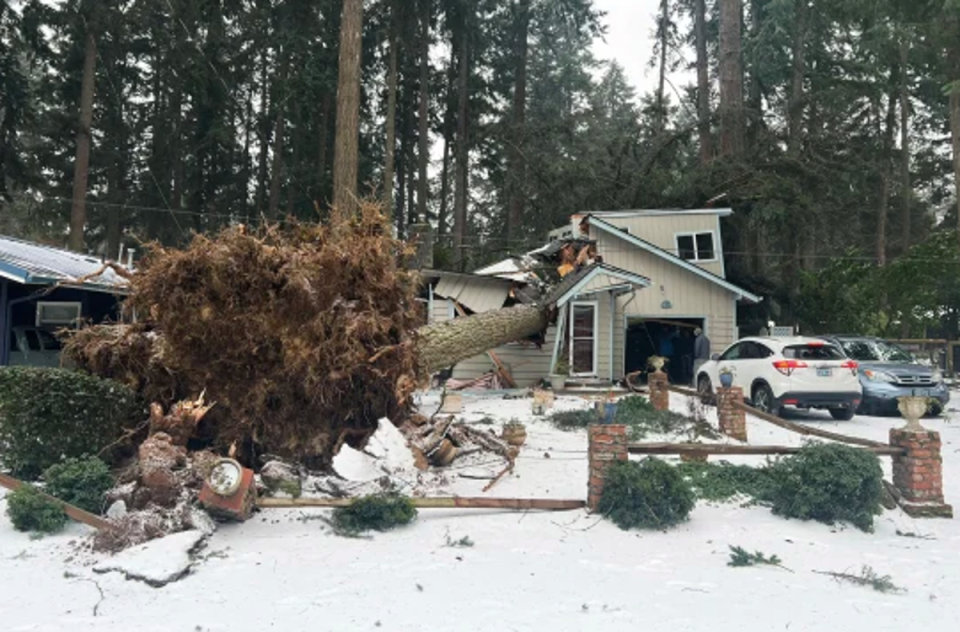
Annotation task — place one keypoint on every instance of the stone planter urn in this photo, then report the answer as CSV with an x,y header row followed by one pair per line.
x,y
913,408
657,362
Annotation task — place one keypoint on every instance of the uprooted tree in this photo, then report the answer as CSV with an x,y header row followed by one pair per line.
x,y
303,336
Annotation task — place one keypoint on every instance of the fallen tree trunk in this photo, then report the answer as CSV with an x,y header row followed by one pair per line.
x,y
444,344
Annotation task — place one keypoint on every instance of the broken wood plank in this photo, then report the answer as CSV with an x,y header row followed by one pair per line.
x,y
450,502
723,448
76,513
497,478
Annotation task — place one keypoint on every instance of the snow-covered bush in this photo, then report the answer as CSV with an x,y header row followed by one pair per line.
x,y
29,510
80,482
827,483
48,414
649,494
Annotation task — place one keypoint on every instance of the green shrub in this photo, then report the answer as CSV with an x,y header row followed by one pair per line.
x,y
650,494
723,481
827,483
47,415
29,510
573,419
80,482
373,513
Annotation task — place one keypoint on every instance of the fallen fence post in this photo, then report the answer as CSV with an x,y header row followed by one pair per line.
x,y
723,448
450,502
76,513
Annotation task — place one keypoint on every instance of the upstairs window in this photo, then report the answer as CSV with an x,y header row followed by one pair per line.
x,y
696,247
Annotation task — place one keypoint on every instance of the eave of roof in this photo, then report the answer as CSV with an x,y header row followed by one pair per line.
x,y
722,212
609,228
573,284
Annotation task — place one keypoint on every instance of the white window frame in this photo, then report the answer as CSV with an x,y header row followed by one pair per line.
x,y
40,321
696,259
596,335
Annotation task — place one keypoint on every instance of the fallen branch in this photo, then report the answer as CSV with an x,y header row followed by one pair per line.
x,y
867,577
497,478
487,441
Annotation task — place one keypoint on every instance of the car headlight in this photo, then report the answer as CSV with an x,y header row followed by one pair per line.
x,y
879,376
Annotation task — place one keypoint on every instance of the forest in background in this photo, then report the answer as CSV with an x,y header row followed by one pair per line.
x,y
831,127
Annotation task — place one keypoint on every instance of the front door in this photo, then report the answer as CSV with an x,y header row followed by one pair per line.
x,y
583,339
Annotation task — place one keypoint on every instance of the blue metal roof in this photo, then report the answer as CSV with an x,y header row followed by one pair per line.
x,y
34,264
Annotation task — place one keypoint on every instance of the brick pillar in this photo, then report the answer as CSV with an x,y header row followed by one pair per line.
x,y
659,395
733,420
918,475
608,443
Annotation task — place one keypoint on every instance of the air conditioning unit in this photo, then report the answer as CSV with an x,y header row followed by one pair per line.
x,y
58,313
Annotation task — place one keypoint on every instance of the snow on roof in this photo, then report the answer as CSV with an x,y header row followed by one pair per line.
x,y
34,264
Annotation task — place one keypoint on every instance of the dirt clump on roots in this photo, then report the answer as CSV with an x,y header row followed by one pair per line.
x,y
300,334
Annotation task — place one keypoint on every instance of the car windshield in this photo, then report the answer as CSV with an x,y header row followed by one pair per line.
x,y
875,351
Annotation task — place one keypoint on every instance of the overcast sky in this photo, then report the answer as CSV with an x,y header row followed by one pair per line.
x,y
629,39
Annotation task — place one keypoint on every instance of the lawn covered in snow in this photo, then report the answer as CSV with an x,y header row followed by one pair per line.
x,y
285,571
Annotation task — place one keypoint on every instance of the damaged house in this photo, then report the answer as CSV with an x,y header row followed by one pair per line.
x,y
627,285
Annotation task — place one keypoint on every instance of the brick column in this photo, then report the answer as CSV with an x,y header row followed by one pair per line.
x,y
918,475
659,395
608,443
733,420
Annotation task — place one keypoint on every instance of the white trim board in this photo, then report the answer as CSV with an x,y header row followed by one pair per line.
x,y
610,229
596,336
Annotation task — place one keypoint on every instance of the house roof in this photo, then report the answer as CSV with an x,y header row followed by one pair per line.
x,y
34,264
576,282
610,229
511,268
722,212
476,292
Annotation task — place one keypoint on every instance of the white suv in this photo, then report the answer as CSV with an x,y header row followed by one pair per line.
x,y
777,372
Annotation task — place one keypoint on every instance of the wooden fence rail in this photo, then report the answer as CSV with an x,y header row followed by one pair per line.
x,y
723,448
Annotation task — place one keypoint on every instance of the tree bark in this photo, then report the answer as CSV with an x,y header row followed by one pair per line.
x,y
731,79
955,140
663,32
887,175
81,170
446,343
703,82
424,114
443,212
517,164
389,166
294,161
264,135
795,102
276,169
906,192
463,154
754,97
346,152
327,105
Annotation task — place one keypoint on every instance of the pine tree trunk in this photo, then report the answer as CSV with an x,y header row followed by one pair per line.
x,y
664,32
463,155
955,139
423,153
389,166
116,196
345,160
276,169
446,343
887,175
294,161
264,135
731,79
754,95
795,102
444,212
327,105
906,196
703,82
81,171
516,176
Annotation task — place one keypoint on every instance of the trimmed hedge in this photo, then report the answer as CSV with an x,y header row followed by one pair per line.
x,y
828,483
29,510
47,415
650,494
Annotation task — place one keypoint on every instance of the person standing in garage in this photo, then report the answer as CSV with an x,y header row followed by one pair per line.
x,y
701,351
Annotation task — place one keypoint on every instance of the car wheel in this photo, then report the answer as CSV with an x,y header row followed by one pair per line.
x,y
764,401
842,414
935,409
705,389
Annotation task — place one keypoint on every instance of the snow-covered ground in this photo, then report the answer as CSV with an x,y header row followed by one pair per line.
x,y
284,571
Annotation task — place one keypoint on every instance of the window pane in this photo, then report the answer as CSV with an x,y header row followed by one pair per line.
x,y
583,356
32,341
685,249
583,321
825,352
705,246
